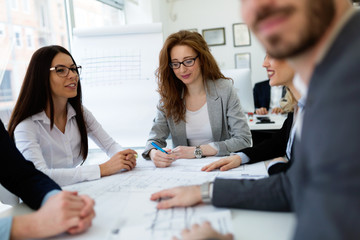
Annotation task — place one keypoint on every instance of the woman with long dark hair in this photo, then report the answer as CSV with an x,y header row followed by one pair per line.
x,y
50,125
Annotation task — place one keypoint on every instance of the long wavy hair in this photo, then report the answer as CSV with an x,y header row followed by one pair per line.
x,y
35,94
289,102
170,87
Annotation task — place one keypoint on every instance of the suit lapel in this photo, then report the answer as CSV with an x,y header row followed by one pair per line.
x,y
180,131
214,105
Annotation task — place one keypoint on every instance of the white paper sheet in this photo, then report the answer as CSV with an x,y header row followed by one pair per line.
x,y
124,210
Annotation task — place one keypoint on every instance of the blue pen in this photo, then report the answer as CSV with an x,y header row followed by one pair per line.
x,y
159,148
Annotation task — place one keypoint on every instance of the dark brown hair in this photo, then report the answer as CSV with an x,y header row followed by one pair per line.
x,y
35,94
170,87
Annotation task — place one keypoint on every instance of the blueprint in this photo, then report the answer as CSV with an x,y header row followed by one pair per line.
x,y
124,209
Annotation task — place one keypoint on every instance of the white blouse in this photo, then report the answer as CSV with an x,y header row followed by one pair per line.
x,y
275,96
198,128
57,154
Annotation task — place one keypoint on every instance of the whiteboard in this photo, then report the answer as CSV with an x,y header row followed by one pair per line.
x,y
118,78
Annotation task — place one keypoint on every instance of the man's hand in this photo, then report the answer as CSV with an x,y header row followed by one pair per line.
x,y
178,197
224,164
65,211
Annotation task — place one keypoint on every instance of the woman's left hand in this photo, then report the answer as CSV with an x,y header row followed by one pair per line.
x,y
277,110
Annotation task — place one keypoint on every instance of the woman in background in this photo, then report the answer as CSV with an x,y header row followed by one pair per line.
x,y
50,126
279,146
198,106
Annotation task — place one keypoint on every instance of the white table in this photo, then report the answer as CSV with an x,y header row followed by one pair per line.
x,y
278,120
246,224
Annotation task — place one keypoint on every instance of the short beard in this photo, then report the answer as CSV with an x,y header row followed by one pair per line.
x,y
319,17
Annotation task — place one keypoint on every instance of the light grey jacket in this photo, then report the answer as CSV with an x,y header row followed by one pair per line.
x,y
229,126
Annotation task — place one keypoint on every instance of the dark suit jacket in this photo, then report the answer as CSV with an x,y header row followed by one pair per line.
x,y
19,176
262,94
273,147
322,185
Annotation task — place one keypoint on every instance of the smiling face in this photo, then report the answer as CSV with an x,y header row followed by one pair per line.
x,y
279,71
287,28
63,87
188,75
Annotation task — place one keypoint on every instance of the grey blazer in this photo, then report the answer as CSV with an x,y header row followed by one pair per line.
x,y
229,126
323,184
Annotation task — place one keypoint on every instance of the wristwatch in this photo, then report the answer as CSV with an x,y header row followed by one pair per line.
x,y
205,192
198,152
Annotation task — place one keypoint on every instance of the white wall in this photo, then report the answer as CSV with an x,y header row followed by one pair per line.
x,y
201,14
138,11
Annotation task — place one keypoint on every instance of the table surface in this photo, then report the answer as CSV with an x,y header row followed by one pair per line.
x,y
278,120
247,224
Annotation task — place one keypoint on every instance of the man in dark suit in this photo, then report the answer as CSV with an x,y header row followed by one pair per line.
x,y
59,210
321,40
264,95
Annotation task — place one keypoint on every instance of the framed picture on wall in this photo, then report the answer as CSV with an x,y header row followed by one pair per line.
x,y
241,35
214,36
242,60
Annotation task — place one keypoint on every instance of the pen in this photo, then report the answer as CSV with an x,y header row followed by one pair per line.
x,y
159,148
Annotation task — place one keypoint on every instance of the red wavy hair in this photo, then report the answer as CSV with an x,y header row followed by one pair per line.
x,y
170,87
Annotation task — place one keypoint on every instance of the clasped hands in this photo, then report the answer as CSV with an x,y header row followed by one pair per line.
x,y
125,159
63,212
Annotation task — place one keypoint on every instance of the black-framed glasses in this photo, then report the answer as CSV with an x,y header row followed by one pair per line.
x,y
63,71
187,63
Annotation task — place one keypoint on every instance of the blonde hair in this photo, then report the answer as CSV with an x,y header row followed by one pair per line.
x,y
288,102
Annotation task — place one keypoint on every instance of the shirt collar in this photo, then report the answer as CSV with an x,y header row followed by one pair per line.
x,y
300,85
41,116
338,27
301,102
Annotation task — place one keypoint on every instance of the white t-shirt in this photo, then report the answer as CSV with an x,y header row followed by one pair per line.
x,y
198,128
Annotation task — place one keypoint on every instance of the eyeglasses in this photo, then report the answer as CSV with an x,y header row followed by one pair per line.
x,y
63,71
187,63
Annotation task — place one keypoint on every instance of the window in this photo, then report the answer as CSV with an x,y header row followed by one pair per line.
x,y
29,38
2,30
38,28
5,87
60,12
26,6
91,13
14,4
17,36
47,22
42,17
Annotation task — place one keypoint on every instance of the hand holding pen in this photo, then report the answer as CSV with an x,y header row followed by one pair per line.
x,y
161,157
